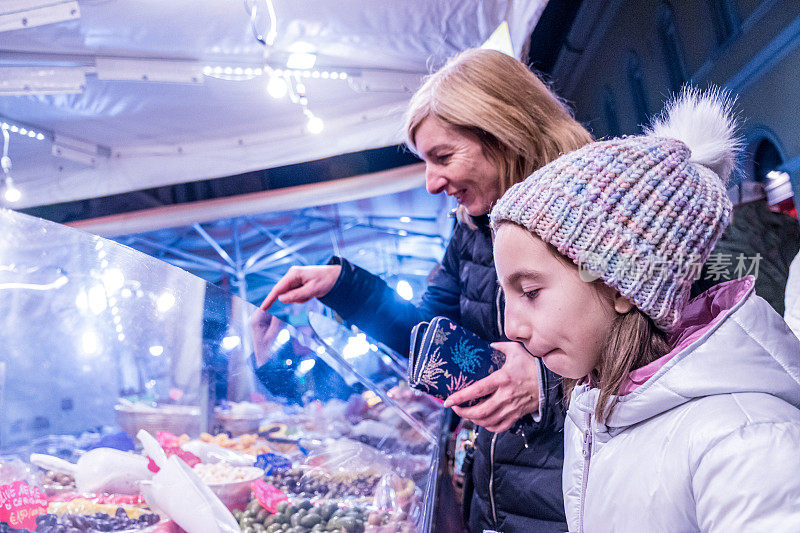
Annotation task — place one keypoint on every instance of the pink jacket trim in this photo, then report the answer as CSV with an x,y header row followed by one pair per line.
x,y
699,316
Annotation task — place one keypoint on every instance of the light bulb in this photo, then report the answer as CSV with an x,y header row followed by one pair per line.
x,y
277,87
404,290
12,194
315,125
301,61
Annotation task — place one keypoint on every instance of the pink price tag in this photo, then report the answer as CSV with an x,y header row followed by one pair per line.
x,y
20,504
268,495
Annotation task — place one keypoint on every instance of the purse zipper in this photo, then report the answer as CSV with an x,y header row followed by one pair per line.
x,y
491,480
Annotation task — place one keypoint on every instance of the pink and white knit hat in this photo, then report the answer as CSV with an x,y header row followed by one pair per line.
x,y
642,213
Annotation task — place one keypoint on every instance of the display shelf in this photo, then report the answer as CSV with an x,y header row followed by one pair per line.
x,y
101,341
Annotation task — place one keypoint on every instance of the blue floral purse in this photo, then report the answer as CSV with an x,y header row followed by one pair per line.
x,y
446,358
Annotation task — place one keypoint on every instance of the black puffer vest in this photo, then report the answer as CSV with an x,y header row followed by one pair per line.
x,y
516,475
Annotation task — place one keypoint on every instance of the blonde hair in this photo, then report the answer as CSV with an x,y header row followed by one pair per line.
x,y
520,122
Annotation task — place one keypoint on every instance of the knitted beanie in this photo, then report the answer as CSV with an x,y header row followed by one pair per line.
x,y
642,213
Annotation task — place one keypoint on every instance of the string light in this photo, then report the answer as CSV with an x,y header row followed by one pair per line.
x,y
11,194
314,124
22,130
232,73
229,73
277,87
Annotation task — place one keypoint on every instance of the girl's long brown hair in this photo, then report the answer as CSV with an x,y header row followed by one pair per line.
x,y
633,342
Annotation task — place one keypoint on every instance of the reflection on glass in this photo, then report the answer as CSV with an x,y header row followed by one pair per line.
x,y
98,337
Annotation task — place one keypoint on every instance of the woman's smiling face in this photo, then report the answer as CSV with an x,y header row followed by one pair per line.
x,y
455,163
548,308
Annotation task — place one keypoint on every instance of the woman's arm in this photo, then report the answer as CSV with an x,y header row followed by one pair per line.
x,y
367,301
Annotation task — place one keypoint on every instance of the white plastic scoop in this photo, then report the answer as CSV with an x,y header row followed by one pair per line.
x,y
100,470
177,492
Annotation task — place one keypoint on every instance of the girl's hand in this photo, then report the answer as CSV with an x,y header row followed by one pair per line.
x,y
512,391
300,284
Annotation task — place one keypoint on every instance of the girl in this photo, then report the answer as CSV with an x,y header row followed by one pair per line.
x,y
685,415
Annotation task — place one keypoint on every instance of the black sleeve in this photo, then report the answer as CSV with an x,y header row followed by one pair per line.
x,y
551,406
365,300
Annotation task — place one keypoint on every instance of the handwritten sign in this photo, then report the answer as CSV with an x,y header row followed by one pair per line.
x,y
20,504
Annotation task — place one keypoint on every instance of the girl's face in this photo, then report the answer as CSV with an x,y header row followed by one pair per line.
x,y
549,309
455,164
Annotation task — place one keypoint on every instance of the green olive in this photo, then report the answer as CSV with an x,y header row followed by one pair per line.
x,y
348,523
310,520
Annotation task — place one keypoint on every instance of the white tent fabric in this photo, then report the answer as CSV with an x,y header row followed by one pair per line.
x,y
119,133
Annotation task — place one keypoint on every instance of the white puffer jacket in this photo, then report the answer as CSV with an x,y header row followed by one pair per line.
x,y
711,442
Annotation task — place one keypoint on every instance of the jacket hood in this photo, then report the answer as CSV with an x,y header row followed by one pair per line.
x,y
729,340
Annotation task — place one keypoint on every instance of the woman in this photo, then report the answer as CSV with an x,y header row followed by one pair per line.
x,y
481,123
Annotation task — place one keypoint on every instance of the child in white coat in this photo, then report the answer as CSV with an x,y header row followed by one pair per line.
x,y
684,415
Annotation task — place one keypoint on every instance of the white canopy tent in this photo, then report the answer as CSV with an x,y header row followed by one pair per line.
x,y
122,95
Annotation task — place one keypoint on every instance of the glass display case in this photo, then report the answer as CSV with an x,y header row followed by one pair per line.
x,y
291,427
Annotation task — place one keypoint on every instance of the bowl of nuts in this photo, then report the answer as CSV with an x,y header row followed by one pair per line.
x,y
55,483
231,484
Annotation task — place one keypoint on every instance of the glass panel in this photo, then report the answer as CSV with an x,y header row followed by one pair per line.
x,y
371,358
97,336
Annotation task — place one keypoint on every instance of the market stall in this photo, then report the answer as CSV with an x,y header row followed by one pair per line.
x,y
136,396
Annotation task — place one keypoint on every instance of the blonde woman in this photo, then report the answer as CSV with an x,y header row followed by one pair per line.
x,y
481,123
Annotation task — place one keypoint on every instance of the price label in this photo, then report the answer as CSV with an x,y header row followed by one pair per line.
x,y
20,504
268,495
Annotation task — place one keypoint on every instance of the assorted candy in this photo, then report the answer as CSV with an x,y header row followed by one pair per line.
x,y
386,522
224,473
57,482
325,481
85,506
247,443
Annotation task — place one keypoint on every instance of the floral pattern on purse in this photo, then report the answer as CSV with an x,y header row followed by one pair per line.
x,y
445,358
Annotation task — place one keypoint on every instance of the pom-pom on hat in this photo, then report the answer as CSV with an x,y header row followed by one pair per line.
x,y
642,213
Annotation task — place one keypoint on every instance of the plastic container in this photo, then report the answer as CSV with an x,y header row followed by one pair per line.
x,y
237,424
235,494
177,419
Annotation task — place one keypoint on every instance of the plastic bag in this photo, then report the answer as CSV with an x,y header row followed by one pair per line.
x,y
12,469
394,493
335,468
211,453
